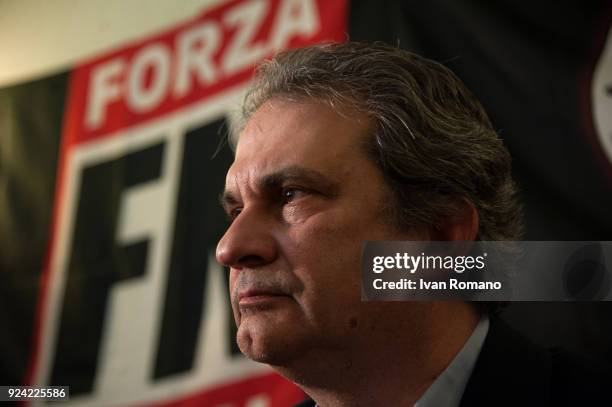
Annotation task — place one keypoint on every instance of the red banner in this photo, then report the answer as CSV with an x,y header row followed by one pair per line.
x,y
144,100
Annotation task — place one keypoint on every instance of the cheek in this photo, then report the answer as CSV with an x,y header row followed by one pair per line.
x,y
329,241
326,259
325,251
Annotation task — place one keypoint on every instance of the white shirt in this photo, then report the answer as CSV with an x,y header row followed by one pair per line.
x,y
448,388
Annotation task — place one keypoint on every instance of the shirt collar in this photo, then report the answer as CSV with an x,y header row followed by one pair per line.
x,y
448,388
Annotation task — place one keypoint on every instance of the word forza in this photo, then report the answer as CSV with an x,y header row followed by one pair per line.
x,y
452,284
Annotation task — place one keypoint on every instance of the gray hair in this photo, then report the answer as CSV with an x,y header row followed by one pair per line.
x,y
431,138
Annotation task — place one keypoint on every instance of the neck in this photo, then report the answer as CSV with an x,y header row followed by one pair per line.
x,y
392,360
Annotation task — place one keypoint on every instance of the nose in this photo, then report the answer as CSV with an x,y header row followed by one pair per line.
x,y
248,242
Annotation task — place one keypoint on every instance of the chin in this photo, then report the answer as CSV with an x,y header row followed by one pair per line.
x,y
265,345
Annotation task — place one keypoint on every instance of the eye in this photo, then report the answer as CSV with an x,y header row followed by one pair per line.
x,y
290,194
233,213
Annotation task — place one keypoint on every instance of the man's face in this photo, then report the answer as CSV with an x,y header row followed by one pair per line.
x,y
303,197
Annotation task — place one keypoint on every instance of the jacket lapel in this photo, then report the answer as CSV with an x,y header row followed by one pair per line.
x,y
510,371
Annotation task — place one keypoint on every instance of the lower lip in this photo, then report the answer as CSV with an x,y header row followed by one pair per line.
x,y
258,300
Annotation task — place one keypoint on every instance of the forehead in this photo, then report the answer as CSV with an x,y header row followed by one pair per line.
x,y
309,134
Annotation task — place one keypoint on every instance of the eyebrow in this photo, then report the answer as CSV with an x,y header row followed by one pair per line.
x,y
276,179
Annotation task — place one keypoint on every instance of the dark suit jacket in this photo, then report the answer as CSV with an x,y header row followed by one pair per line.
x,y
512,371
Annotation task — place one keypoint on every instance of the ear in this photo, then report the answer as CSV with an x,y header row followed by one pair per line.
x,y
462,224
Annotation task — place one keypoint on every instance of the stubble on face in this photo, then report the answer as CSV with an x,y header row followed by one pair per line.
x,y
316,238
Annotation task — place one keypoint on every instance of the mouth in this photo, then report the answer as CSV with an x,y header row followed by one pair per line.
x,y
259,298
